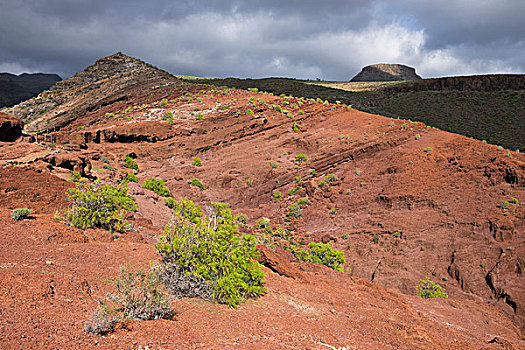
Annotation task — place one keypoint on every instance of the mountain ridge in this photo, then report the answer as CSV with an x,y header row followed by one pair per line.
x,y
16,88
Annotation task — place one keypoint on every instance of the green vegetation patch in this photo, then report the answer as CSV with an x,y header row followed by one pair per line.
x,y
131,163
211,257
319,253
20,214
428,289
99,206
156,185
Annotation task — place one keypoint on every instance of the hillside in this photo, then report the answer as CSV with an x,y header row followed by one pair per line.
x,y
402,201
487,108
16,88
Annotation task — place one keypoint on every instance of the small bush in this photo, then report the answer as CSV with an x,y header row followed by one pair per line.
x,y
264,224
75,176
197,183
21,213
98,205
301,158
168,116
331,178
319,253
196,161
294,210
157,186
427,289
277,195
138,297
185,208
249,112
293,191
273,165
130,177
211,254
303,202
130,163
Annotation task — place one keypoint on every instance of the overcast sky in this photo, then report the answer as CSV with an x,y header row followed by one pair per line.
x,y
327,39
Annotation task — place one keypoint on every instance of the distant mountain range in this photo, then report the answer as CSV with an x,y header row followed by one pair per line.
x,y
16,88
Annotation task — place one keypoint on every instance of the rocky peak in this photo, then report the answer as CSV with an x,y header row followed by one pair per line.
x,y
386,72
99,84
104,68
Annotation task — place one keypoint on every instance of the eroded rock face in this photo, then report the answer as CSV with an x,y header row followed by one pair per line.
x,y
10,128
386,72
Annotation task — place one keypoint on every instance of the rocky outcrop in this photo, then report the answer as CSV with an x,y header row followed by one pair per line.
x,y
10,128
386,72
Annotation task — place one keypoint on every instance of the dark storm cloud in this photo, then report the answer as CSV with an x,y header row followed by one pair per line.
x,y
299,38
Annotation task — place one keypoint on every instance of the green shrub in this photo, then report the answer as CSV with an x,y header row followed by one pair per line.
x,y
130,163
301,158
196,161
168,116
185,208
264,224
20,213
98,205
319,253
331,178
428,289
295,127
213,256
303,202
138,297
294,210
197,183
130,177
249,112
157,186
293,191
277,195
273,165
75,176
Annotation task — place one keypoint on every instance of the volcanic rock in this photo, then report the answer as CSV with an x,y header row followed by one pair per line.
x,y
386,72
10,128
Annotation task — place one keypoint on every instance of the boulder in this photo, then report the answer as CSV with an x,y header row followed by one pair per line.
x,y
10,128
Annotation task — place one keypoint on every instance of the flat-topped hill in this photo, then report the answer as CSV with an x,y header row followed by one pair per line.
x,y
386,72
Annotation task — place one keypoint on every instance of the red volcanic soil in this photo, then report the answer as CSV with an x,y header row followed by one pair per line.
x,y
408,202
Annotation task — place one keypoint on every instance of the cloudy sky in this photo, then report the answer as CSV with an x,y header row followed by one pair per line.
x,y
327,39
